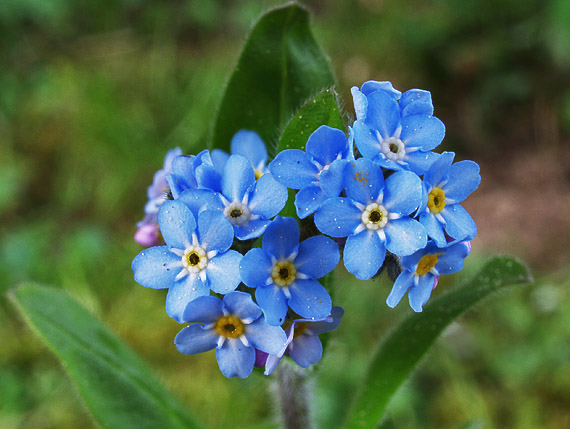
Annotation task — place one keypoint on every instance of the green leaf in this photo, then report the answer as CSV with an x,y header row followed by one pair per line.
x,y
401,351
119,390
320,110
280,67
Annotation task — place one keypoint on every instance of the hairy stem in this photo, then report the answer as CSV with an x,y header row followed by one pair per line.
x,y
292,394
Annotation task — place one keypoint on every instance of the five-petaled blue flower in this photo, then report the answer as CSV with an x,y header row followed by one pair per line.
x,y
247,144
233,326
446,185
421,271
284,272
374,216
396,131
303,343
317,173
195,259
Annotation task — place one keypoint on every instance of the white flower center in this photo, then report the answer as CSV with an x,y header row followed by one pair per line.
x,y
374,216
393,148
237,213
195,259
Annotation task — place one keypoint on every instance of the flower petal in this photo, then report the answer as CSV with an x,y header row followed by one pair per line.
x,y
294,169
327,325
235,359
255,268
416,102
363,181
308,200
364,254
156,267
181,293
273,302
181,175
419,294
219,159
360,103
204,309
215,232
452,259
268,197
439,170
223,272
238,178
326,144
338,217
306,350
366,140
402,192
177,224
458,223
195,339
433,228
241,305
281,238
404,281
425,132
383,113
198,200
332,179
264,337
463,179
419,161
386,86
309,299
252,229
206,174
405,236
249,145
317,256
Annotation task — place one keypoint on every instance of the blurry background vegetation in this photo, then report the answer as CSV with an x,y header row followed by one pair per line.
x,y
93,94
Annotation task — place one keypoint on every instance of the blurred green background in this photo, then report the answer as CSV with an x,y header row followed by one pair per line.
x,y
93,94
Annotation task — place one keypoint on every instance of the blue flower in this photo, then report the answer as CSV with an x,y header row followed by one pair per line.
x,y
284,272
374,216
317,173
234,327
445,186
303,343
247,144
421,271
397,132
147,232
193,172
195,259
246,203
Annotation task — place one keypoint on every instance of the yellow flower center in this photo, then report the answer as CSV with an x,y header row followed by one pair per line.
x,y
230,326
258,174
426,264
283,273
195,259
374,216
436,200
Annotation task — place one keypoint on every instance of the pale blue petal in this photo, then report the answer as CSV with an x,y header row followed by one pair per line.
x,y
326,144
181,175
309,299
384,162
241,305
223,272
249,145
268,197
177,224
363,181
405,236
459,224
386,86
294,169
271,363
156,267
383,113
433,228
416,102
215,232
181,293
328,324
419,161
463,179
338,217
238,178
195,339
273,302
252,229
255,268
366,140
452,258
281,238
204,309
425,132
402,192
439,170
364,254
208,178
219,159
360,103
306,350
198,200
419,294
332,179
264,337
317,256
235,359
308,200
401,286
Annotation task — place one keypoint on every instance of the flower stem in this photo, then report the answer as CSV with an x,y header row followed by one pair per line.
x,y
292,394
